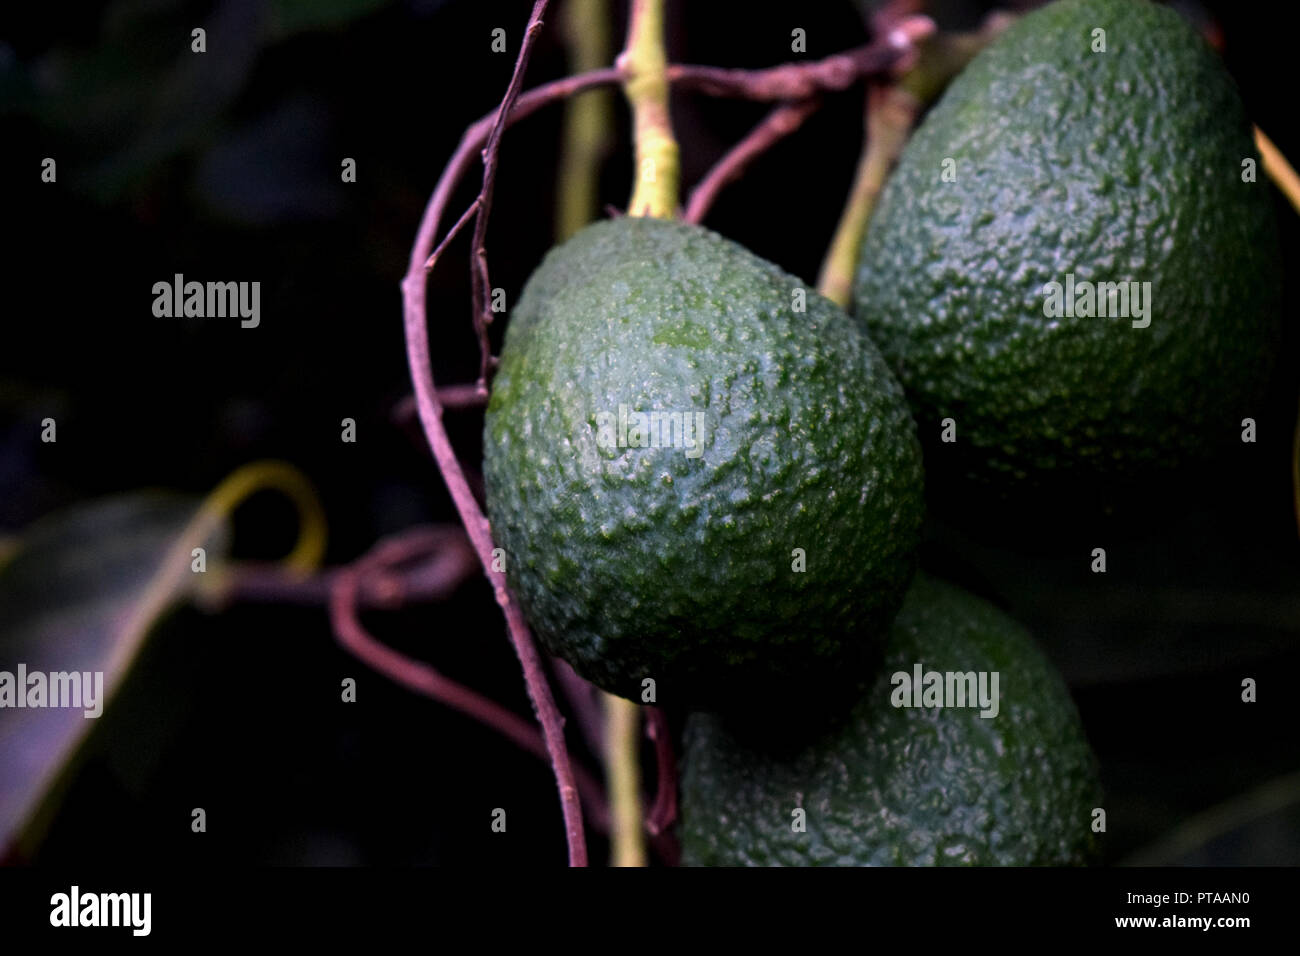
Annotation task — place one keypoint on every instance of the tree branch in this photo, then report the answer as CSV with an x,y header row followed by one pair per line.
x,y
435,576
792,81
346,588
476,524
663,813
778,124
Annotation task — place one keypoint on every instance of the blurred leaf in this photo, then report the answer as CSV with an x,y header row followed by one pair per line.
x,y
81,594
294,16
141,96
236,183
1258,828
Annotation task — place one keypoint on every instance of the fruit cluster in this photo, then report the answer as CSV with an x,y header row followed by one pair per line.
x,y
762,560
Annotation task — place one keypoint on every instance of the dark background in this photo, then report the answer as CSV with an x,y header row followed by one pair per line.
x,y
226,166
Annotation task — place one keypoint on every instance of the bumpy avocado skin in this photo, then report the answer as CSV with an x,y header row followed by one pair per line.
x,y
1115,166
637,563
907,786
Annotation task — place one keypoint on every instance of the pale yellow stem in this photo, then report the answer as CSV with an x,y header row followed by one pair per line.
x,y
891,113
623,776
645,66
587,118
1279,170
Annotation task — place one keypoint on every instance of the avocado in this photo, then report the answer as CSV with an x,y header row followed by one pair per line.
x,y
893,785
1076,258
702,473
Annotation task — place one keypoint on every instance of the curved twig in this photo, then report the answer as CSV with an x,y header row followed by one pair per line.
x,y
663,812
434,577
476,524
791,81
777,125
347,587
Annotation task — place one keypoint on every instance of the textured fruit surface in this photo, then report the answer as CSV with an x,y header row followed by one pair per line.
x,y
907,786
678,564
1116,166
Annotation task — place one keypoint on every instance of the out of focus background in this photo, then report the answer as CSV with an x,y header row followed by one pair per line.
x,y
226,166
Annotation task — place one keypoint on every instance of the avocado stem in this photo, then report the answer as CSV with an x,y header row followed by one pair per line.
x,y
1279,170
586,141
587,118
645,69
623,778
891,113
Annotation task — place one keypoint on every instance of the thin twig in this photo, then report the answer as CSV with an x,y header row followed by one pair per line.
x,y
778,124
798,81
663,812
468,395
470,148
788,81
584,704
781,83
347,587
476,524
435,576
453,232
1279,170
482,284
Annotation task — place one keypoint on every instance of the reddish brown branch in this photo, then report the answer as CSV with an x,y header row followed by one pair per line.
x,y
789,82
799,81
482,284
470,148
476,525
434,576
449,396
663,812
454,232
473,395
778,124
584,704
349,584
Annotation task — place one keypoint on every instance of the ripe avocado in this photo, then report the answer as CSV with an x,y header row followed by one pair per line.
x,y
906,786
784,444
1050,161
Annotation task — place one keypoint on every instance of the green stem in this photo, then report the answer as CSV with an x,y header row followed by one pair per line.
x,y
587,118
623,778
585,143
645,66
1279,170
892,111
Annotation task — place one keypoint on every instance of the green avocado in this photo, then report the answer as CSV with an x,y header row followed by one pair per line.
x,y
907,785
1076,259
701,472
